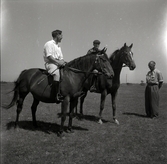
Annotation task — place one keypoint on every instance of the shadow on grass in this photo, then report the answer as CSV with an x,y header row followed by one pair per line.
x,y
93,118
89,118
85,117
135,114
45,127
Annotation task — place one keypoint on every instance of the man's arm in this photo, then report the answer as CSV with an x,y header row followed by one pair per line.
x,y
160,79
56,61
160,84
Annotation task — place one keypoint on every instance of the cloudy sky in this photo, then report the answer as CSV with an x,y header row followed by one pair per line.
x,y
27,24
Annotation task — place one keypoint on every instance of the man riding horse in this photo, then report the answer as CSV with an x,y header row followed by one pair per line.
x,y
53,58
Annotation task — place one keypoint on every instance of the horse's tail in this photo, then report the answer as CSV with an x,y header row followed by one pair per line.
x,y
16,93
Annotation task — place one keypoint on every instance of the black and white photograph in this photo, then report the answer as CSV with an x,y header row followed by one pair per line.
x,y
83,82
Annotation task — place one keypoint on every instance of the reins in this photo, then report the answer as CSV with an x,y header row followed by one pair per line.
x,y
75,70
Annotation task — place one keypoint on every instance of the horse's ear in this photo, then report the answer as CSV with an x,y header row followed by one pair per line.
x,y
105,49
124,44
131,45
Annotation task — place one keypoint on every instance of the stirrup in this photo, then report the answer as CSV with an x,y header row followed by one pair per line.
x,y
93,89
59,97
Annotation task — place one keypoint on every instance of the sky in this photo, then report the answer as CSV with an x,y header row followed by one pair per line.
x,y
26,25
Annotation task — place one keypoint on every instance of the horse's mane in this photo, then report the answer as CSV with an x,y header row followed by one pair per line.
x,y
82,62
113,55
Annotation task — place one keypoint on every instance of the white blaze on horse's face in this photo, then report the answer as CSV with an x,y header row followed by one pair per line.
x,y
131,54
131,63
127,59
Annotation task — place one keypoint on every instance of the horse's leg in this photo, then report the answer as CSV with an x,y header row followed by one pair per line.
x,y
33,110
64,107
113,97
71,114
76,109
81,103
19,107
102,102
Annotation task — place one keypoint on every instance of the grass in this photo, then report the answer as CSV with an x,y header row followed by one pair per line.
x,y
137,140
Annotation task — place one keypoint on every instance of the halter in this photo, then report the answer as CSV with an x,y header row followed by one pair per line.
x,y
97,60
124,65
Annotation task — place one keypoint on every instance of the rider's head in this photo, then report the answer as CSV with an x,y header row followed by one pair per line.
x,y
96,43
57,35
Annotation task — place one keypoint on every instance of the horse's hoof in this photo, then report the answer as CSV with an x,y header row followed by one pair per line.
x,y
60,134
80,117
100,122
70,131
116,121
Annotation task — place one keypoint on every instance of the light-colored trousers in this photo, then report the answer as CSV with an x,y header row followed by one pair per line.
x,y
53,70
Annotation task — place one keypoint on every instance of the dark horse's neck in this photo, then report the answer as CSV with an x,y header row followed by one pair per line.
x,y
116,64
83,63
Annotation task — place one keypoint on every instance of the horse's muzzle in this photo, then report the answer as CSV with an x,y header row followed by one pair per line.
x,y
132,67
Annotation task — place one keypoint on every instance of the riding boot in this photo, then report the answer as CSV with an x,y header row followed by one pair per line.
x,y
56,87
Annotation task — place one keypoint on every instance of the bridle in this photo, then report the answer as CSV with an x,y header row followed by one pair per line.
x,y
98,61
120,58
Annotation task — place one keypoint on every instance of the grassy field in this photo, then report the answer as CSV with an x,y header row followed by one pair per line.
x,y
137,140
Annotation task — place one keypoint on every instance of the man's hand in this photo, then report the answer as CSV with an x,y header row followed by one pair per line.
x,y
160,84
62,63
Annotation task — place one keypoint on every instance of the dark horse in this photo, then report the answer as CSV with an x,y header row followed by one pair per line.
x,y
110,86
39,84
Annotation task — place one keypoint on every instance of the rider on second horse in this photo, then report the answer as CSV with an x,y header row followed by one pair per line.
x,y
53,58
95,49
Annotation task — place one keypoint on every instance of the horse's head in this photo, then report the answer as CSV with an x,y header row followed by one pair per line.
x,y
102,64
98,61
127,56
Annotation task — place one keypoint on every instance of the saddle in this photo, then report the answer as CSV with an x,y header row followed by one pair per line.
x,y
50,77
